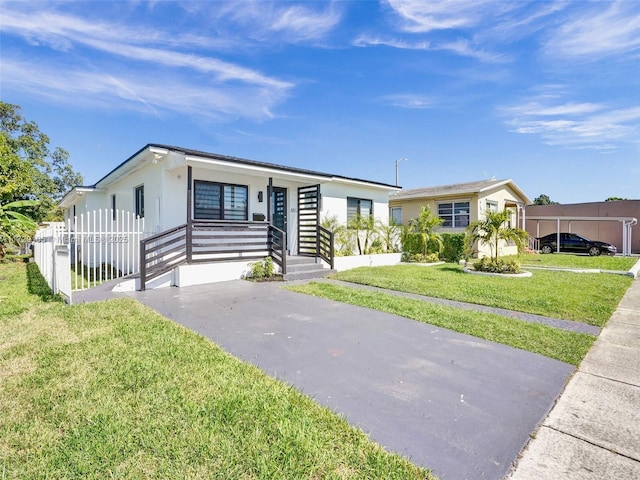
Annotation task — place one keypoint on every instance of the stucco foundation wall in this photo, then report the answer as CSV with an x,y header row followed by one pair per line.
x,y
606,231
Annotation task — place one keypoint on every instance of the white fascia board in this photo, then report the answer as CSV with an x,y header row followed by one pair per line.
x,y
72,196
349,181
513,185
127,168
257,169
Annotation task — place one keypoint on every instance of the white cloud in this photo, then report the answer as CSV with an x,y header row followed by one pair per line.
x,y
139,91
598,31
419,16
575,125
411,101
143,69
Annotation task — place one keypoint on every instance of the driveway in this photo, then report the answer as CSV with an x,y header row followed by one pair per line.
x,y
459,405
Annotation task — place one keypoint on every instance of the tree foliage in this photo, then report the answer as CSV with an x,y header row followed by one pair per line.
x,y
15,227
544,200
615,199
491,229
421,233
29,170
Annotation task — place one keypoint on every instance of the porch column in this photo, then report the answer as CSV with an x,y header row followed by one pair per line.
x,y
189,215
269,190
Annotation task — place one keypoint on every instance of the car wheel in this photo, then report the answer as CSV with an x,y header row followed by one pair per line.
x,y
594,251
546,249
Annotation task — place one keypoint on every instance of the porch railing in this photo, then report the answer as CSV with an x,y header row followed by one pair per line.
x,y
325,244
210,241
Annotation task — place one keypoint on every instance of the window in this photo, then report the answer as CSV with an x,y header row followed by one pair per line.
x,y
454,214
139,201
396,215
491,206
219,201
358,206
113,206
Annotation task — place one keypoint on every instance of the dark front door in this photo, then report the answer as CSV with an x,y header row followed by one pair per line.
x,y
279,205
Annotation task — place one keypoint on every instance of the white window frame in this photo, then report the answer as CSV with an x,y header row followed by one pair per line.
x,y
453,215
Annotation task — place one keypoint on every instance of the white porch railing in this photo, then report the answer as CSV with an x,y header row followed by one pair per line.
x,y
102,245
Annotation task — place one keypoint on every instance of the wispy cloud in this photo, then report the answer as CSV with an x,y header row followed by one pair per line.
x,y
190,82
411,101
278,22
140,92
575,125
597,32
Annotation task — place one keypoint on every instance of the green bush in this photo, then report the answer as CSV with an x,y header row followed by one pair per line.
x,y
420,257
487,264
262,269
454,246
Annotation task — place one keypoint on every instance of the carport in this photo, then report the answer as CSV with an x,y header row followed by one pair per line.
x,y
627,224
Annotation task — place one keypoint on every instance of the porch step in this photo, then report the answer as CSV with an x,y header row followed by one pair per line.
x,y
304,268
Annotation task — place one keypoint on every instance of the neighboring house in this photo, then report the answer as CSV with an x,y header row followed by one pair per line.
x,y
604,221
172,187
462,203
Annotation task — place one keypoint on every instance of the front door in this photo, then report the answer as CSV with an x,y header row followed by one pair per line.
x,y
279,203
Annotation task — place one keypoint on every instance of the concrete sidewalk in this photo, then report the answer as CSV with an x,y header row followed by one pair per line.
x,y
593,432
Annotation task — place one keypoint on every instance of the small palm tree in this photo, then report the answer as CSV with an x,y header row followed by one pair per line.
x,y
389,234
423,226
15,226
492,229
367,225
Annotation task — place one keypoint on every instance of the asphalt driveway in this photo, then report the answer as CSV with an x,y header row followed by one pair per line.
x,y
457,404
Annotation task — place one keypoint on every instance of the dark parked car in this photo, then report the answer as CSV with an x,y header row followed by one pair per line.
x,y
574,243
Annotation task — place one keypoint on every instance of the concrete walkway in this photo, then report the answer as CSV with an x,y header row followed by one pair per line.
x,y
527,317
593,432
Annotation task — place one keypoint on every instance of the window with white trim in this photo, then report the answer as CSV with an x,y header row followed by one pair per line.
x,y
358,206
454,214
491,206
396,215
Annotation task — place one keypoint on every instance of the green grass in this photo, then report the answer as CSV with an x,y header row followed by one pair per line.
x,y
562,345
587,298
114,390
603,262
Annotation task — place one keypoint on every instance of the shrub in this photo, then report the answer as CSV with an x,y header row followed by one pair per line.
x,y
487,264
420,257
262,269
454,245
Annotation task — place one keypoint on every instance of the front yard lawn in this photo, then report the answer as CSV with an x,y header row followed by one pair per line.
x,y
564,260
562,345
114,390
588,298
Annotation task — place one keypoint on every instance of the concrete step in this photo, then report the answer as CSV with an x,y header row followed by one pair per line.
x,y
297,260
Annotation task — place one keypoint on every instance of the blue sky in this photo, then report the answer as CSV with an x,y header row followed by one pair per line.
x,y
546,93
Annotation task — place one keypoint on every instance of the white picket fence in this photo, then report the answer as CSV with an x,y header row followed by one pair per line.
x,y
94,247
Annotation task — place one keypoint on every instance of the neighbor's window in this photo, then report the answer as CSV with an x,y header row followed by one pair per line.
x,y
491,206
219,201
454,214
396,215
358,206
139,201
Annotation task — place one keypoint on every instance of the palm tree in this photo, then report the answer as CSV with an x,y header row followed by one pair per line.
x,y
423,226
15,226
492,229
367,225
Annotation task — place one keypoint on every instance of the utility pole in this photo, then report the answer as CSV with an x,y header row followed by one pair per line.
x,y
397,162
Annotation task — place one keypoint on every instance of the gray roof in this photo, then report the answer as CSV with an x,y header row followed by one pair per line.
x,y
243,161
456,189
